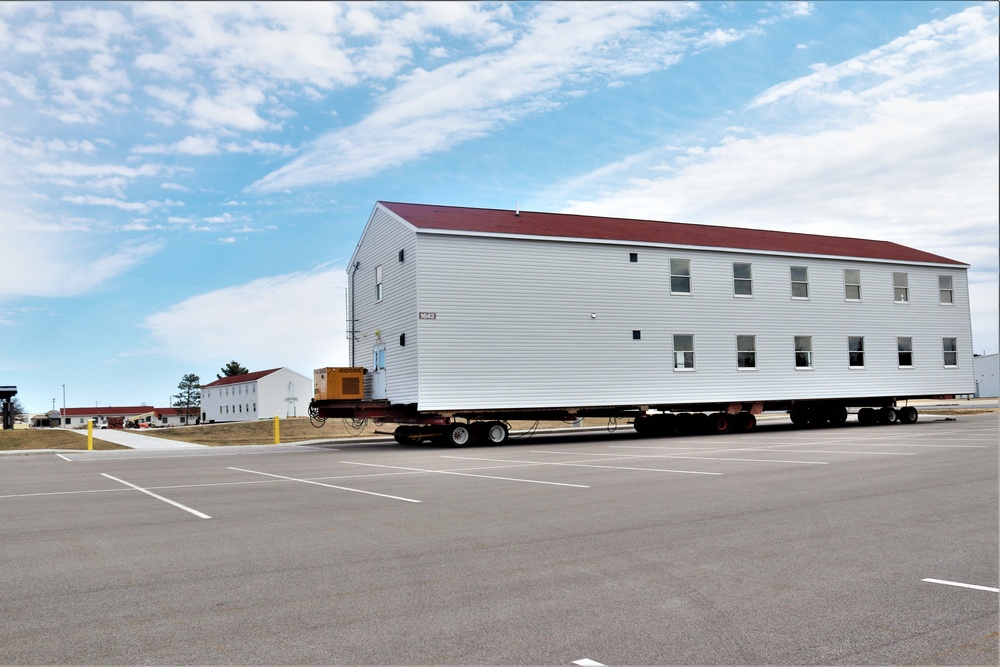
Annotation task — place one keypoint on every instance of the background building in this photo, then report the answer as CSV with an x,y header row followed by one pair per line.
x,y
278,392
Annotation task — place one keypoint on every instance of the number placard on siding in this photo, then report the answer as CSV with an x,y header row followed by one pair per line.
x,y
427,316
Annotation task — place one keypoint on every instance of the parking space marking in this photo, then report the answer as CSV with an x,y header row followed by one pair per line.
x,y
955,583
468,474
683,456
330,486
159,497
824,451
587,662
575,464
166,454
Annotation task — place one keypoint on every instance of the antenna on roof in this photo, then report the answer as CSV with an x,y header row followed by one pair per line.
x,y
517,208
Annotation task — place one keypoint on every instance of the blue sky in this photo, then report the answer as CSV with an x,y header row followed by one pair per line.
x,y
183,184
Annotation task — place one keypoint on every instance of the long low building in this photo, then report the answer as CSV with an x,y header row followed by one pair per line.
x,y
276,392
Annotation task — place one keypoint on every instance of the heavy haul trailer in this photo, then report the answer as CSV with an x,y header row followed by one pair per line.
x,y
460,320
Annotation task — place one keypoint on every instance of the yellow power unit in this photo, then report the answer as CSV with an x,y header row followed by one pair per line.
x,y
338,384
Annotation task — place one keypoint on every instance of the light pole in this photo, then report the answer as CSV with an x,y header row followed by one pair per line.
x,y
64,406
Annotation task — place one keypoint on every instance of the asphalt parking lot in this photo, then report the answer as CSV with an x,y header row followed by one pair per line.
x,y
855,545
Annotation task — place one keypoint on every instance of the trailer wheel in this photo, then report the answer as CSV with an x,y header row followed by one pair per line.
x,y
799,417
888,415
838,416
497,433
721,423
743,422
867,416
458,435
908,415
643,425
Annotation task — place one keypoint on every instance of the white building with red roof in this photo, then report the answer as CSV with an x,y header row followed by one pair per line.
x,y
276,392
454,308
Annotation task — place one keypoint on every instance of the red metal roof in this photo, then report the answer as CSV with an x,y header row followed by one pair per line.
x,y
236,379
560,225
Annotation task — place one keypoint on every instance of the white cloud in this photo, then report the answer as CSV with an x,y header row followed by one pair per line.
x,y
190,145
566,46
91,200
265,323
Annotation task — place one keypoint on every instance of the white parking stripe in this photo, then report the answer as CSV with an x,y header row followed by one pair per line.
x,y
955,583
683,456
330,486
466,474
570,464
159,497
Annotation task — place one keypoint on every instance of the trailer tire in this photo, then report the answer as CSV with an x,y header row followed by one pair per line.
x,y
799,417
867,416
888,415
721,423
743,421
908,415
838,415
458,435
497,433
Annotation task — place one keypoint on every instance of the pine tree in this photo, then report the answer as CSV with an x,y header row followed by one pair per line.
x,y
188,400
231,369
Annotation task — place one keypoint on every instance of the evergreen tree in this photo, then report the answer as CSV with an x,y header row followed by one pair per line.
x,y
231,369
188,400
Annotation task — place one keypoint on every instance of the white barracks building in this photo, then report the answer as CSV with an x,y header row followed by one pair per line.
x,y
278,392
460,308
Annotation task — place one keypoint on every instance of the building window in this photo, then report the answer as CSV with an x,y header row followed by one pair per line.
x,y
742,279
402,256
856,351
946,290
680,276
746,352
183,420
900,288
803,352
950,348
633,257
852,284
683,353
904,347
800,282
378,283
636,334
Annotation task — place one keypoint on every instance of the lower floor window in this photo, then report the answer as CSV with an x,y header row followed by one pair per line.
x,y
904,346
746,352
856,351
803,351
950,348
683,352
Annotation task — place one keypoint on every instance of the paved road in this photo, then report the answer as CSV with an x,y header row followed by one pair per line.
x,y
776,547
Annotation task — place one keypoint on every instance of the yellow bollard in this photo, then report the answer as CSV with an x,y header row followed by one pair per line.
x,y
90,435
277,431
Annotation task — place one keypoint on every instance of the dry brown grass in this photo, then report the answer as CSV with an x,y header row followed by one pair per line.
x,y
299,429
962,411
40,438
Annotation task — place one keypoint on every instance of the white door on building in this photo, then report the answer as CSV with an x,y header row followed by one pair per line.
x,y
378,372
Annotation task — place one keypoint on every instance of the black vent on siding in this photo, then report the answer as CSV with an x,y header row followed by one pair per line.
x,y
402,336
633,257
636,334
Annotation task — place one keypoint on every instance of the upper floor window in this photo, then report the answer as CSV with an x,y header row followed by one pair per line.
x,y
680,276
800,282
950,348
856,351
746,352
683,352
378,283
742,279
803,351
900,287
946,289
904,347
852,284
633,257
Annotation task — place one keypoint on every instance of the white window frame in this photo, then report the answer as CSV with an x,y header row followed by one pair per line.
x,y
744,281
808,352
794,282
852,352
900,287
678,274
687,355
953,352
852,284
746,351
378,284
904,346
949,290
